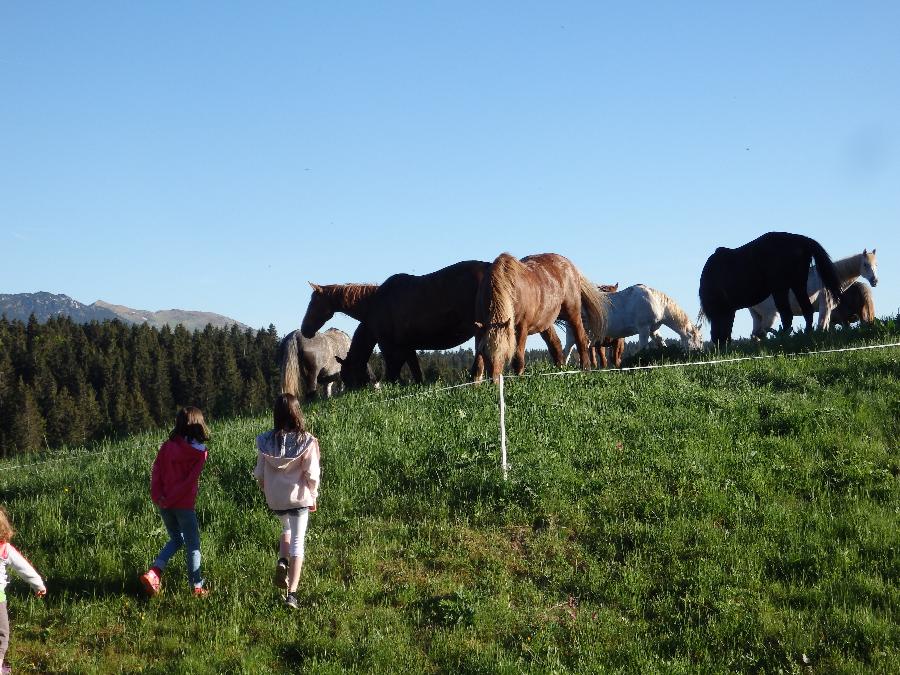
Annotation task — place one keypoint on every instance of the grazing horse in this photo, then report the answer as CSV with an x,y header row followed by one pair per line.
x,y
855,304
409,312
641,310
848,269
520,297
307,363
772,264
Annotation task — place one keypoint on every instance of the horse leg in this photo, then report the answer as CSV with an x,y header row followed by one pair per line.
x,y
554,345
393,363
618,349
570,342
783,303
519,358
581,339
720,327
600,351
807,309
414,368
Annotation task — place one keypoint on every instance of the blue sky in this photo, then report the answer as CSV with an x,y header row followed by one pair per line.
x,y
216,156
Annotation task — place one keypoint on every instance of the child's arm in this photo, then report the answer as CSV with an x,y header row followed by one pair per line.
x,y
313,472
23,568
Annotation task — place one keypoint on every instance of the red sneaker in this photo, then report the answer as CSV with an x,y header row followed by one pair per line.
x,y
151,582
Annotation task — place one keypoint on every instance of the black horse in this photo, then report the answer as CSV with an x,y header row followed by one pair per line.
x,y
408,313
773,264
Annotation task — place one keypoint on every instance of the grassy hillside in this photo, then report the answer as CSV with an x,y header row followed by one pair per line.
x,y
735,517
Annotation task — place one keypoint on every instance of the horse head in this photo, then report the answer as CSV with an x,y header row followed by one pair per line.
x,y
693,338
868,267
495,342
318,311
355,377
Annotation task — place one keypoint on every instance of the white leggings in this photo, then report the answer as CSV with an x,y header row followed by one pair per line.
x,y
295,528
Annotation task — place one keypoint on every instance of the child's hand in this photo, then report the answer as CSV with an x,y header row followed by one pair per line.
x,y
313,507
41,593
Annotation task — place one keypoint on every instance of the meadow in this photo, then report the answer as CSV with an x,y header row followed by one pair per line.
x,y
734,517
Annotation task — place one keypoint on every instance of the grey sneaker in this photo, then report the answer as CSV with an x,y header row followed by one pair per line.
x,y
280,578
291,601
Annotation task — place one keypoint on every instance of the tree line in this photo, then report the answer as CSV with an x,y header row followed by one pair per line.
x,y
69,383
65,383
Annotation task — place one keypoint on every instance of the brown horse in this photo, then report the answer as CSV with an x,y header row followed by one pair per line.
x,y
404,314
855,304
353,300
520,297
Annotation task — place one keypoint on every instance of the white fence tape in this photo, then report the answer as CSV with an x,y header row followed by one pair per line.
x,y
502,402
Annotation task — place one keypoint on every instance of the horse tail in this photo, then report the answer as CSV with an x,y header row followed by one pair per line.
x,y
701,317
595,308
827,271
290,365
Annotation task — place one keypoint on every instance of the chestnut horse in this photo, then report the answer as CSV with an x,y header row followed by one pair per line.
x,y
404,314
855,304
772,264
517,298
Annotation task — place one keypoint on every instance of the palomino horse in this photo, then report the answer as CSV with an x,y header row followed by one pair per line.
x,y
307,363
520,297
407,313
641,310
773,264
863,264
855,304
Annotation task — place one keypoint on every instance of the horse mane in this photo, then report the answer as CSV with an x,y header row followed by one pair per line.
x,y
349,295
504,272
848,267
673,309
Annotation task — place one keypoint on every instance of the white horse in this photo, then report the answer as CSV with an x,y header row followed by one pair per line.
x,y
641,310
308,363
849,269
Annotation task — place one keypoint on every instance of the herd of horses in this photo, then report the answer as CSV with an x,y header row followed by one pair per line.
x,y
501,303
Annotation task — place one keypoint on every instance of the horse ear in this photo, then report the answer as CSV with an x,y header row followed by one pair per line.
x,y
873,251
339,359
507,323
315,287
479,325
866,251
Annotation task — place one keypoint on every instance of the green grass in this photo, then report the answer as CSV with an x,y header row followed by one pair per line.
x,y
738,517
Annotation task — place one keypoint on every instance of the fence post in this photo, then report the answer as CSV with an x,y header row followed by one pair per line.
x,y
503,430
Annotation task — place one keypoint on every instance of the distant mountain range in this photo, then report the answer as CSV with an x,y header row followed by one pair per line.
x,y
46,305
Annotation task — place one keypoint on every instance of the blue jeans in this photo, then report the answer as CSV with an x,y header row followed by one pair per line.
x,y
183,530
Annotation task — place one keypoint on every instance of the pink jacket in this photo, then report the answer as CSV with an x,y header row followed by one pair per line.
x,y
287,467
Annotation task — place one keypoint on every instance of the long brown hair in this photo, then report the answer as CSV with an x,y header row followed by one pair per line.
x,y
287,415
189,423
6,528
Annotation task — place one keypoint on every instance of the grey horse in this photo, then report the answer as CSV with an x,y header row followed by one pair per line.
x,y
308,363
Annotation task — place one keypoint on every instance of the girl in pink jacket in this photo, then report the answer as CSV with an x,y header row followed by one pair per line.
x,y
11,558
287,469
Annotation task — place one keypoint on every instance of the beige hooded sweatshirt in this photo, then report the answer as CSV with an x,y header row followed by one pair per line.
x,y
287,466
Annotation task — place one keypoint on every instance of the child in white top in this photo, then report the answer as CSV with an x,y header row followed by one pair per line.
x,y
10,557
287,469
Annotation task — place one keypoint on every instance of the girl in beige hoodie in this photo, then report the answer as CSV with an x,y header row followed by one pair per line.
x,y
287,468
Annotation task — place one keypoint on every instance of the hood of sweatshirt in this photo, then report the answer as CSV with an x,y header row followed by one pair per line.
x,y
281,453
